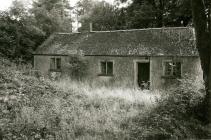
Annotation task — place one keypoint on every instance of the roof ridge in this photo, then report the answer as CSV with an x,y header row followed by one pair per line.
x,y
145,29
127,30
61,33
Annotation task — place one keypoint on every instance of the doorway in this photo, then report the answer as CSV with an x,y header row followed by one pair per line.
x,y
143,75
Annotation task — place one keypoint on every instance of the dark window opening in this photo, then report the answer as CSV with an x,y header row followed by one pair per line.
x,y
109,68
55,63
103,68
106,68
58,63
173,69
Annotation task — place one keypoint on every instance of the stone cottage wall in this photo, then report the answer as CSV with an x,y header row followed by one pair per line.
x,y
191,67
124,69
42,63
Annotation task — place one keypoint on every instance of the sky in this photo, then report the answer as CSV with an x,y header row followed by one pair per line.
x,y
5,4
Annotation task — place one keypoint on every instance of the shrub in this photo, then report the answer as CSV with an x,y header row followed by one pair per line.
x,y
32,108
77,67
174,117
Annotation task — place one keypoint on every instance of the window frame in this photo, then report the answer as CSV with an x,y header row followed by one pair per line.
x,y
57,64
106,68
172,69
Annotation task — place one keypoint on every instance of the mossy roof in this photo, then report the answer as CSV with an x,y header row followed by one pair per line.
x,y
178,41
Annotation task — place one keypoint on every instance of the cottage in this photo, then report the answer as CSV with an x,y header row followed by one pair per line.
x,y
147,58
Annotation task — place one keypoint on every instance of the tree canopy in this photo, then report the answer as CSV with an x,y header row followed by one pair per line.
x,y
22,30
52,15
138,14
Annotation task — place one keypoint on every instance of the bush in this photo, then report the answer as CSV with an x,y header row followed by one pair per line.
x,y
175,117
19,95
32,108
77,67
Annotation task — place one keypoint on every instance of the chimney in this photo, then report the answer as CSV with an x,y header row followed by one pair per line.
x,y
90,27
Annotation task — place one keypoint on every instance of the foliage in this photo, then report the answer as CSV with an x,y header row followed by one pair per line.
x,y
18,38
52,16
102,15
107,17
77,67
38,109
23,30
19,35
158,13
176,116
17,91
7,38
138,14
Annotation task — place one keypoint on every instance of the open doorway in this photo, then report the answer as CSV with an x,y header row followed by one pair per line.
x,y
143,75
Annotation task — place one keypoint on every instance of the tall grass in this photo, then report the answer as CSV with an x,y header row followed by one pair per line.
x,y
133,95
32,108
102,111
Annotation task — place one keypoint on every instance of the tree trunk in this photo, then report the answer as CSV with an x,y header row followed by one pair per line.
x,y
203,45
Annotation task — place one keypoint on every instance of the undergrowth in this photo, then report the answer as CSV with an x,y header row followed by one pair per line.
x,y
32,108
177,116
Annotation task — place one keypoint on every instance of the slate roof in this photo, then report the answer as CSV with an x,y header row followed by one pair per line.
x,y
175,41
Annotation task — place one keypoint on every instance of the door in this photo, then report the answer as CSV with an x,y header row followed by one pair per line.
x,y
143,75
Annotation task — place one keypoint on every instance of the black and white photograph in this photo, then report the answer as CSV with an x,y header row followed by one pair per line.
x,y
105,69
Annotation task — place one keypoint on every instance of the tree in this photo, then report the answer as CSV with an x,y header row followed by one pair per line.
x,y
7,38
102,15
22,30
138,14
19,35
158,13
201,19
52,15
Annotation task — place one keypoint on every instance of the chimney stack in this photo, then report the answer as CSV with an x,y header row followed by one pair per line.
x,y
90,27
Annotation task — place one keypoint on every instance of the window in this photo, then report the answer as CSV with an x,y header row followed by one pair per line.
x,y
55,63
58,63
106,68
172,69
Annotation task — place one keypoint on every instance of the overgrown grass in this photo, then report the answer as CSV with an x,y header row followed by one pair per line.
x,y
177,116
32,108
130,95
39,108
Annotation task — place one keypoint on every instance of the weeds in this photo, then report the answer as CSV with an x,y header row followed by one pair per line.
x,y
174,117
32,108
39,109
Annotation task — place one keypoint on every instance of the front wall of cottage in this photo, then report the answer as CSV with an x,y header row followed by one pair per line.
x,y
190,67
124,69
42,63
